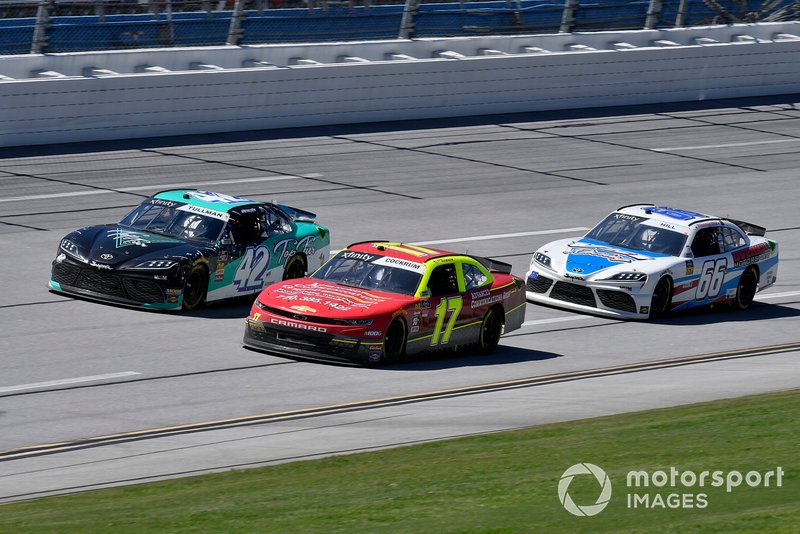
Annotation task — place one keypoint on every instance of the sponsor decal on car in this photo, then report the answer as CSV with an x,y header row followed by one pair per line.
x,y
286,248
689,267
210,196
300,326
205,211
161,202
499,297
751,255
609,254
373,333
303,308
402,264
626,217
334,297
375,352
359,256
672,213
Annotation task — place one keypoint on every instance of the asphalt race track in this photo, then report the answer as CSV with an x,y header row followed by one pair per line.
x,y
94,395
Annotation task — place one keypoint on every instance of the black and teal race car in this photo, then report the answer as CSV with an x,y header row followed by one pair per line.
x,y
183,247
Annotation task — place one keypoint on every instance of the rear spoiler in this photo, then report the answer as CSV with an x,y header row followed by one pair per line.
x,y
749,229
494,265
297,214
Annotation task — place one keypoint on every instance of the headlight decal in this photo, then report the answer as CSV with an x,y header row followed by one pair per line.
x,y
543,260
156,264
633,276
71,248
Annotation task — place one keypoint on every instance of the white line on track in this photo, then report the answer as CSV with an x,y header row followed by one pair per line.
x,y
157,187
777,295
495,236
728,145
559,320
67,381
501,236
586,317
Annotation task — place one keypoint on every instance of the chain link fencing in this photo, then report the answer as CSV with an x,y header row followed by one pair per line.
x,y
51,26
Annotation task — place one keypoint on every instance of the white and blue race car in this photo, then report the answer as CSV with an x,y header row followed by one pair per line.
x,y
644,261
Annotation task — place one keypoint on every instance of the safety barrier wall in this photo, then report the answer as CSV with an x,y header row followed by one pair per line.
x,y
130,94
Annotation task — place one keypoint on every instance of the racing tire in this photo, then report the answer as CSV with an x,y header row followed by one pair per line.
x,y
195,288
746,289
295,267
491,330
394,342
661,302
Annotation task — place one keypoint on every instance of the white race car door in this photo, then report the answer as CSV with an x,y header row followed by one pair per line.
x,y
712,266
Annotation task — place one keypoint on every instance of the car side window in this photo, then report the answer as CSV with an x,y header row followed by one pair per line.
x,y
443,280
706,242
473,277
274,222
246,228
732,239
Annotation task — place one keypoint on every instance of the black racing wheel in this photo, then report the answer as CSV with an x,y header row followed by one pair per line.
x,y
746,290
195,287
295,267
491,330
394,342
661,302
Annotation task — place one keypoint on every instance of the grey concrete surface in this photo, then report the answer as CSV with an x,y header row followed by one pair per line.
x,y
414,182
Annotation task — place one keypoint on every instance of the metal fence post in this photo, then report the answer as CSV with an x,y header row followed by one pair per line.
x,y
39,45
680,19
568,16
407,26
653,14
235,32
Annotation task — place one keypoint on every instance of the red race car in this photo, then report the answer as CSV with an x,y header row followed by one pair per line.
x,y
376,302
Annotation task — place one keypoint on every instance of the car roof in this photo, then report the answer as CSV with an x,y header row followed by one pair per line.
x,y
404,251
206,199
666,214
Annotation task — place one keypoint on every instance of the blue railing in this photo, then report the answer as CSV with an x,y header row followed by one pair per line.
x,y
119,31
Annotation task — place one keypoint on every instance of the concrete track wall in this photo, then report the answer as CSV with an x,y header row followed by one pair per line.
x,y
127,94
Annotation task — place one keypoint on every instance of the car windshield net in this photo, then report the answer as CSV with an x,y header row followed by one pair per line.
x,y
636,233
370,271
171,221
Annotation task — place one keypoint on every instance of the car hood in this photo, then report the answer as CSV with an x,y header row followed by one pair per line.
x,y
117,246
587,257
310,297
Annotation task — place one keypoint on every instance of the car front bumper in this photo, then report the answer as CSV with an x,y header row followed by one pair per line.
x,y
585,296
114,286
312,345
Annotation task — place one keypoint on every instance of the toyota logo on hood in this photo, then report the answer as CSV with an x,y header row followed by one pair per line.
x,y
106,256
